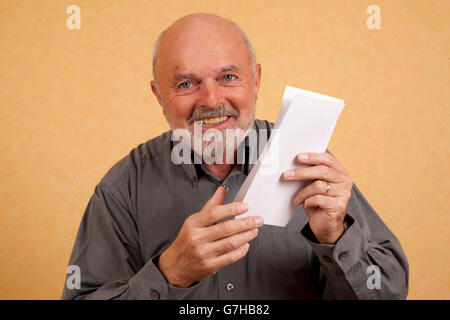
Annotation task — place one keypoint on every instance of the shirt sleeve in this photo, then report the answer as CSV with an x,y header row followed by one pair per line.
x,y
107,254
367,262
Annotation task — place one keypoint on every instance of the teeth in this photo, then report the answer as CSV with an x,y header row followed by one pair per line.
x,y
213,121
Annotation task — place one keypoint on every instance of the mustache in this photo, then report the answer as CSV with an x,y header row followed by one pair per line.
x,y
222,110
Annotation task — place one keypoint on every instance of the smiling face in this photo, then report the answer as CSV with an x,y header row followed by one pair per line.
x,y
204,74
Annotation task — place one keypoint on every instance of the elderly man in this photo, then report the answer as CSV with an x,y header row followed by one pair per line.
x,y
155,229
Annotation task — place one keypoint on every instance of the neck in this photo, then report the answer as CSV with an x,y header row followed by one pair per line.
x,y
222,171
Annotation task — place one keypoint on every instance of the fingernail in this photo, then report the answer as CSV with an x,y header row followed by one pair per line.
x,y
259,221
288,174
242,207
303,156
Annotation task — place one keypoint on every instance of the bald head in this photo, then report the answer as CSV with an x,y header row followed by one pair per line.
x,y
199,27
205,70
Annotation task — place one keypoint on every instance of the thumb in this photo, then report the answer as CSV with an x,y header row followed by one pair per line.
x,y
217,199
204,219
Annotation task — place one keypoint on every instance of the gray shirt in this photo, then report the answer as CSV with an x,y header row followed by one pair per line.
x,y
138,208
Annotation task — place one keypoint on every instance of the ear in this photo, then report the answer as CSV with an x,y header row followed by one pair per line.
x,y
155,91
257,79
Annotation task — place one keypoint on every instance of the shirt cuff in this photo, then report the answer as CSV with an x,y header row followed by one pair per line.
x,y
345,253
149,283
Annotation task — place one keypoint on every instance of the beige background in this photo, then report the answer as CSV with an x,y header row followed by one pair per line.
x,y
73,102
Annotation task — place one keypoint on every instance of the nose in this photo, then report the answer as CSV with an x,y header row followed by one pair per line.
x,y
210,96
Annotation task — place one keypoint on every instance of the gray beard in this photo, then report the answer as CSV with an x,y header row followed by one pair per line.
x,y
224,148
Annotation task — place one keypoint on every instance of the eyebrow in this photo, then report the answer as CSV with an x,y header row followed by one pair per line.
x,y
231,67
181,76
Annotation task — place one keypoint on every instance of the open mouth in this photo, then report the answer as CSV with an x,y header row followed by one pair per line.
x,y
213,121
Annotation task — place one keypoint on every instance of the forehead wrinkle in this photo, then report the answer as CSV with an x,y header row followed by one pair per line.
x,y
210,24
230,67
178,76
181,52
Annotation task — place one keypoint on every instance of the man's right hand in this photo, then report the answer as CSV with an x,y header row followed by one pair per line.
x,y
201,248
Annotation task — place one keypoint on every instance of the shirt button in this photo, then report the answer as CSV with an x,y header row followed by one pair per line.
x,y
343,255
326,258
155,295
230,286
226,188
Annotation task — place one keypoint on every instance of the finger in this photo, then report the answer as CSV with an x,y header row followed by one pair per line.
x,y
317,187
216,200
320,201
321,158
320,172
210,215
231,256
231,227
233,242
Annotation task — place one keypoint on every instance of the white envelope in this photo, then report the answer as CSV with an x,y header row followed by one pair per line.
x,y
305,123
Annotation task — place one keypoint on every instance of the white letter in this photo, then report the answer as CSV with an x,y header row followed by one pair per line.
x,y
182,311
213,152
233,139
198,142
373,21
373,282
74,21
184,136
74,280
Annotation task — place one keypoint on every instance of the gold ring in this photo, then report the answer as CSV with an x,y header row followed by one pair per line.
x,y
328,188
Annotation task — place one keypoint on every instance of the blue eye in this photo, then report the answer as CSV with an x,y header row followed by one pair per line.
x,y
229,77
185,85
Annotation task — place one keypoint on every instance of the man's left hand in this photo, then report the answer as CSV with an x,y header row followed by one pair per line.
x,y
325,200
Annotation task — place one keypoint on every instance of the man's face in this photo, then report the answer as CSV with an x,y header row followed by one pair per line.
x,y
205,78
